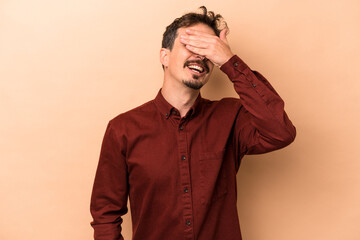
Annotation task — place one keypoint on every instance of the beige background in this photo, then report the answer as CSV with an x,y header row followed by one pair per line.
x,y
67,67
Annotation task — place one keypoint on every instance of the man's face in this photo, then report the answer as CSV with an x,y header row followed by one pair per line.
x,y
187,67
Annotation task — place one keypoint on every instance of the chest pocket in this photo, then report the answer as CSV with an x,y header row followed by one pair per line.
x,y
213,176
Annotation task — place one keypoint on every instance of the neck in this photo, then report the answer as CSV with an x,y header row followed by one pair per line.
x,y
181,97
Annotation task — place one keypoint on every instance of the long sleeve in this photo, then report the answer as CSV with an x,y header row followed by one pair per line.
x,y
110,190
262,124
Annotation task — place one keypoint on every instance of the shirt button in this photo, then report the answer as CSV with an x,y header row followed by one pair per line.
x,y
253,85
175,112
183,157
188,222
186,190
166,114
181,128
236,64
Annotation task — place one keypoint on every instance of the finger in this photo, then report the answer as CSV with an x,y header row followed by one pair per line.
x,y
199,33
208,39
198,51
223,35
194,43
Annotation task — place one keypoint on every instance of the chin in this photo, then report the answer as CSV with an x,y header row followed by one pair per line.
x,y
196,85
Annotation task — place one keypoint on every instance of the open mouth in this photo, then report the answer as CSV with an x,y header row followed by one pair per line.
x,y
197,67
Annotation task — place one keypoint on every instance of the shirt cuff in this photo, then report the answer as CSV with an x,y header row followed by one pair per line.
x,y
233,66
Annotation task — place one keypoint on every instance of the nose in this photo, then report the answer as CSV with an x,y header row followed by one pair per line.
x,y
202,58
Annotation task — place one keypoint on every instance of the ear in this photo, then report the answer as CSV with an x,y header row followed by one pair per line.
x,y
164,56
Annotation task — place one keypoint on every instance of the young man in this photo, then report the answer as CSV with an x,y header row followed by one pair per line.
x,y
177,156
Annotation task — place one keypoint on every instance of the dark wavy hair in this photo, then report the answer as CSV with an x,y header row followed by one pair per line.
x,y
209,18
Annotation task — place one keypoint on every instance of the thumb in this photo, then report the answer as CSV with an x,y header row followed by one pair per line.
x,y
223,35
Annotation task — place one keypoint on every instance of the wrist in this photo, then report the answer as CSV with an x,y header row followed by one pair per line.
x,y
227,58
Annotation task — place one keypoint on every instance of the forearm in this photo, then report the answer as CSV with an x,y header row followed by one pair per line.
x,y
265,107
106,209
110,190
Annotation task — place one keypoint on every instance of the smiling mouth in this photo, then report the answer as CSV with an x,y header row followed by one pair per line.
x,y
197,67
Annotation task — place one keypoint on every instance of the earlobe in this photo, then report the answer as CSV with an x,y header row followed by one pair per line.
x,y
164,57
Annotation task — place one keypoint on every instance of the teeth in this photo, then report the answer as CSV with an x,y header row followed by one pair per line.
x,y
195,67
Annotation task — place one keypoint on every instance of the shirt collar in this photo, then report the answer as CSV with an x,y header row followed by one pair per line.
x,y
166,108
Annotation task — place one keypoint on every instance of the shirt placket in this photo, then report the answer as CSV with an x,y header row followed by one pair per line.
x,y
185,180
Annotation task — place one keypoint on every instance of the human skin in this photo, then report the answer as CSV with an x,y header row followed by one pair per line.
x,y
214,48
197,43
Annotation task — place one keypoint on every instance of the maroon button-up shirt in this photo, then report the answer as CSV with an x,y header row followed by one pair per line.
x,y
180,172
